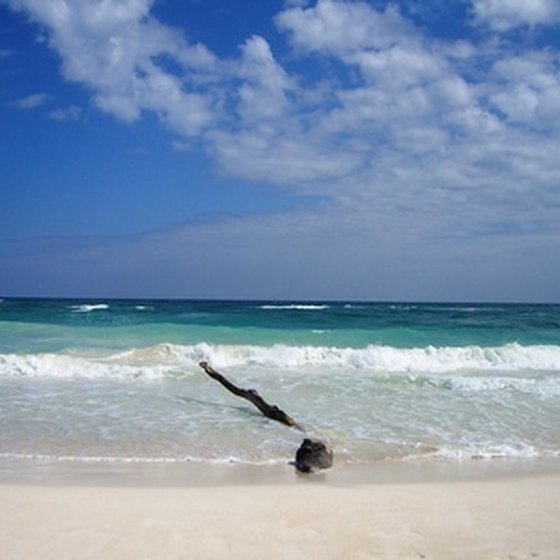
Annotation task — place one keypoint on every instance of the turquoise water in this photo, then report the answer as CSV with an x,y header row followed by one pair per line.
x,y
44,325
104,380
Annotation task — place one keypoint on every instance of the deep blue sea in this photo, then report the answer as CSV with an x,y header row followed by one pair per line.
x,y
118,380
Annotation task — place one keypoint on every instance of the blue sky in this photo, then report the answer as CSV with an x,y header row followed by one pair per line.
x,y
286,150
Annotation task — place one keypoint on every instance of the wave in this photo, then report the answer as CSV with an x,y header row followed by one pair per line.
x,y
446,452
542,386
86,308
141,459
494,451
504,364
296,306
386,359
72,366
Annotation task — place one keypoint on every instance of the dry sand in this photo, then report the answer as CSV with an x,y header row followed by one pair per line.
x,y
223,513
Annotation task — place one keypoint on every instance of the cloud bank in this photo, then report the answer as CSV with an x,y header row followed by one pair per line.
x,y
438,153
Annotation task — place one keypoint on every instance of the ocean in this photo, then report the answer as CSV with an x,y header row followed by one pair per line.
x,y
119,381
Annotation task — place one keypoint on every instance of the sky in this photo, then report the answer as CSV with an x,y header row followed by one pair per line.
x,y
329,149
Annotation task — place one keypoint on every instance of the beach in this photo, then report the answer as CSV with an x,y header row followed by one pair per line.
x,y
72,511
115,444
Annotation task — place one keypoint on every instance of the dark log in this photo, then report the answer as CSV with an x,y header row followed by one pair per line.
x,y
269,410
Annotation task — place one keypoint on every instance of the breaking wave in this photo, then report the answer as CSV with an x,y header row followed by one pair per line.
x,y
154,362
387,359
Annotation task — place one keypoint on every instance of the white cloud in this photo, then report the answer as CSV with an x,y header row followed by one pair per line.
x,y
341,28
409,98
114,48
31,101
526,89
506,14
262,94
416,147
70,113
278,157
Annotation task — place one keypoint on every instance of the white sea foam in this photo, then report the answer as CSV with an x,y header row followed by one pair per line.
x,y
493,451
68,366
86,308
296,306
456,368
546,386
386,359
228,460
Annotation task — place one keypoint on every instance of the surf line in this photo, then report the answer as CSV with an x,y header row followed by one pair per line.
x,y
312,454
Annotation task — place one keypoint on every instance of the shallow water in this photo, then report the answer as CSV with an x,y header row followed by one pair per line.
x,y
119,380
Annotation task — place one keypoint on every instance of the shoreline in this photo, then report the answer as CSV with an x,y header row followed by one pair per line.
x,y
112,473
178,474
189,474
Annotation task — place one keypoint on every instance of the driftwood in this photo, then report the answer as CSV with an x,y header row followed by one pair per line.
x,y
269,410
311,455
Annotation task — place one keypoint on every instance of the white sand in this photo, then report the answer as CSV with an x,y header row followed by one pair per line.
x,y
510,517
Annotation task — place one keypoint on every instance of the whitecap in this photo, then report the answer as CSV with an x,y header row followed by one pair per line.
x,y
86,308
296,307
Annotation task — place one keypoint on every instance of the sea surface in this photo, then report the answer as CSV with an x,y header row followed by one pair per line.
x,y
118,380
